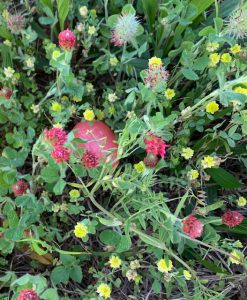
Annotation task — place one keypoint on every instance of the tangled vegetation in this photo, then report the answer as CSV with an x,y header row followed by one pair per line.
x,y
123,149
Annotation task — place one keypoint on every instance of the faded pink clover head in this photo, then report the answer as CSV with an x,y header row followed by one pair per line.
x,y
237,23
156,75
15,23
56,136
125,29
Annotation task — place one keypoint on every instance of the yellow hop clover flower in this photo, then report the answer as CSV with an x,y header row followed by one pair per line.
x,y
154,62
187,153
238,244
208,162
74,194
164,266
100,114
212,46
193,174
91,30
114,61
212,107
187,275
115,262
56,107
65,98
235,49
241,201
111,110
77,99
170,93
58,125
214,59
236,257
104,290
140,167
226,58
89,115
240,90
56,54
80,230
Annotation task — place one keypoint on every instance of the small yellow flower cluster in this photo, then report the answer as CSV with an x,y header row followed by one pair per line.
x,y
187,275
74,194
140,167
81,230
89,115
209,162
56,107
212,107
240,90
77,99
236,257
114,61
193,174
91,30
115,262
104,290
100,114
235,49
212,46
154,62
226,58
187,153
170,93
164,266
241,201
214,59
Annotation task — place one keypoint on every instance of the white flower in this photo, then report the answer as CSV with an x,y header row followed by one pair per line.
x,y
83,11
80,27
7,43
91,30
89,87
30,62
112,97
9,72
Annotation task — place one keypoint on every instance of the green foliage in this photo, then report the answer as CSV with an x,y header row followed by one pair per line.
x,y
136,205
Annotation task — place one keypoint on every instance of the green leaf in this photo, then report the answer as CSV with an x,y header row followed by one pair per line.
x,y
124,244
50,294
63,10
50,174
112,20
110,237
189,74
59,275
224,178
76,274
150,8
128,9
59,187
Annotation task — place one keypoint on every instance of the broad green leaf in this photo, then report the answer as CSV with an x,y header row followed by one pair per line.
x,y
50,294
110,237
76,274
189,74
128,9
59,274
59,187
150,9
50,174
224,178
63,10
